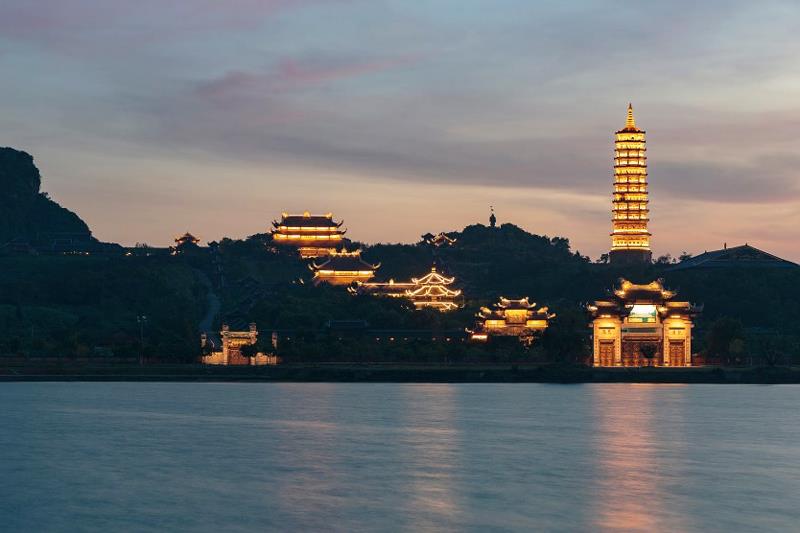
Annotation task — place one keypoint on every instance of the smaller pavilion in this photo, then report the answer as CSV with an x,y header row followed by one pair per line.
x,y
511,318
342,268
185,243
438,241
430,291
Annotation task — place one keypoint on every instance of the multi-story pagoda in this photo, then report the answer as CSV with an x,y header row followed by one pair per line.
x,y
342,268
630,239
642,325
312,235
431,290
511,318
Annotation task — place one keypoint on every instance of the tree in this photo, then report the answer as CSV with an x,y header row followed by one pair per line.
x,y
249,350
720,340
566,338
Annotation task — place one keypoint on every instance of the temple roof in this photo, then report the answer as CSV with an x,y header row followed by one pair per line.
x,y
433,278
442,239
629,294
344,261
307,219
653,291
744,256
186,238
630,123
433,291
522,303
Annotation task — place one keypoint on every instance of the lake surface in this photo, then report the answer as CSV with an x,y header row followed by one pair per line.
x,y
354,457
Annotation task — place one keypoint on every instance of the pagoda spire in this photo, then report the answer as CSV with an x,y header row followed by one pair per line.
x,y
630,123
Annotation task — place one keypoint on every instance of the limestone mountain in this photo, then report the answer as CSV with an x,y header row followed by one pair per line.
x,y
25,211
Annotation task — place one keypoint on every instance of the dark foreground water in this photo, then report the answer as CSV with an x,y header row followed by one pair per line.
x,y
350,457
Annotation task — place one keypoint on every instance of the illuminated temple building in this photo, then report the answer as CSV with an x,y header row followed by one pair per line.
x,y
642,325
430,291
342,268
230,348
630,239
511,318
311,235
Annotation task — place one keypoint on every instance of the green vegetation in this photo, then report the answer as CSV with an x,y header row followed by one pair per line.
x,y
66,306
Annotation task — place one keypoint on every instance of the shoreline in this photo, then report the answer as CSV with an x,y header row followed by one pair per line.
x,y
384,373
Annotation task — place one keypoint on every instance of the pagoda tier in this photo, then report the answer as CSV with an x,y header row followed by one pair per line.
x,y
642,325
343,268
312,235
511,318
630,238
430,291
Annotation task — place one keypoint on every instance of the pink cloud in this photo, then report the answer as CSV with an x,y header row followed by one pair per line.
x,y
292,74
57,21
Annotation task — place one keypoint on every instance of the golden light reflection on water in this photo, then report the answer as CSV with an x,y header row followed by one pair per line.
x,y
433,443
629,491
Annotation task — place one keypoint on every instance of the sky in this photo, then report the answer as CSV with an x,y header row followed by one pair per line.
x,y
155,117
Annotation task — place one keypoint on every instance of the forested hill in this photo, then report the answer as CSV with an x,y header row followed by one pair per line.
x,y
25,211
487,261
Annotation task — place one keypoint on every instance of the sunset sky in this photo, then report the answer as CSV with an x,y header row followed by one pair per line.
x,y
151,118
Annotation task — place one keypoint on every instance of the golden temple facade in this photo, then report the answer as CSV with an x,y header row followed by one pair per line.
x,y
511,318
231,348
430,291
342,268
630,238
642,325
312,235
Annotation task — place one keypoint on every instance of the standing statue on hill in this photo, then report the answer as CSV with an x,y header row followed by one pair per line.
x,y
492,218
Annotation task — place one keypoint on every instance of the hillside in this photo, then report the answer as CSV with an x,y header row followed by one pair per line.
x,y
25,211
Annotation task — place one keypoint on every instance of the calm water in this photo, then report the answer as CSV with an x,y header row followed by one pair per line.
x,y
350,457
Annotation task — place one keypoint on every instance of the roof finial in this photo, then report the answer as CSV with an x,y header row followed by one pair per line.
x,y
630,123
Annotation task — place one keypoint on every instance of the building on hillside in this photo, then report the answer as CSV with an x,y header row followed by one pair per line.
x,y
744,256
342,268
430,291
186,243
511,318
630,238
642,325
312,235
230,348
438,241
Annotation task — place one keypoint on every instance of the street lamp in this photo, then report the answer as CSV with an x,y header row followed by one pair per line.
x,y
142,320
